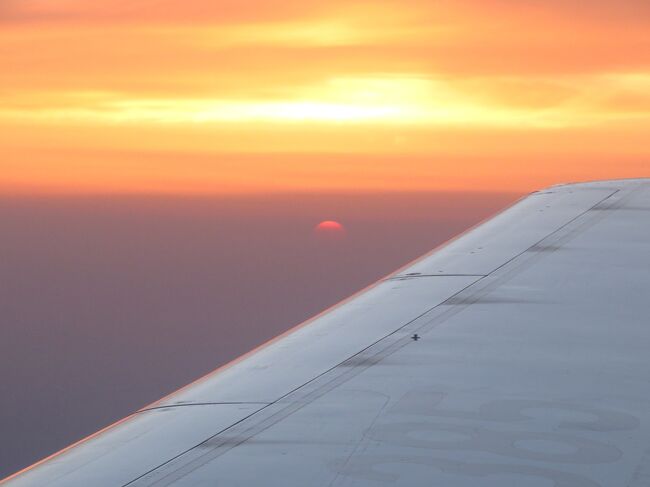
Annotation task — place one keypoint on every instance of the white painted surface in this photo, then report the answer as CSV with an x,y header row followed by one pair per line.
x,y
511,232
325,342
536,375
135,446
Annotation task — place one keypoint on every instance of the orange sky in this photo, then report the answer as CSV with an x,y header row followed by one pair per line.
x,y
240,96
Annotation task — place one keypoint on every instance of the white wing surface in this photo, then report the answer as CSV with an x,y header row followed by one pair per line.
x,y
517,354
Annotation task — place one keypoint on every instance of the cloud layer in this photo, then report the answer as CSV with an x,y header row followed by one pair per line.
x,y
428,79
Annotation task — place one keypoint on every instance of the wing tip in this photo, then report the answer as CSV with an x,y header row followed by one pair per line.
x,y
596,183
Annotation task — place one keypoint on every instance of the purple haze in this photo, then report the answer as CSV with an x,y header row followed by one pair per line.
x,y
108,303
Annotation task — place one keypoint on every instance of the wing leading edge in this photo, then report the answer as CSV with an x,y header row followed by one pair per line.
x,y
531,370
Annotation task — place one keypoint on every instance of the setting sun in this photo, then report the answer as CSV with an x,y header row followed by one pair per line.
x,y
185,184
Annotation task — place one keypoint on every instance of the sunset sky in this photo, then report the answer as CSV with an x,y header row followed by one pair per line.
x,y
262,96
407,121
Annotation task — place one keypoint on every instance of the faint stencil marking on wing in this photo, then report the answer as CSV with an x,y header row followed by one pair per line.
x,y
407,426
422,434
509,410
366,468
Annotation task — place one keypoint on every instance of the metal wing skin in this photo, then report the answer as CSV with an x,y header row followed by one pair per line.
x,y
518,354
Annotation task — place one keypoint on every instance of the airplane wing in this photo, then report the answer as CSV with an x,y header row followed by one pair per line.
x,y
518,354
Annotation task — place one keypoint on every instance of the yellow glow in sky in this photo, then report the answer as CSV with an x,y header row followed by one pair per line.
x,y
540,93
388,100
